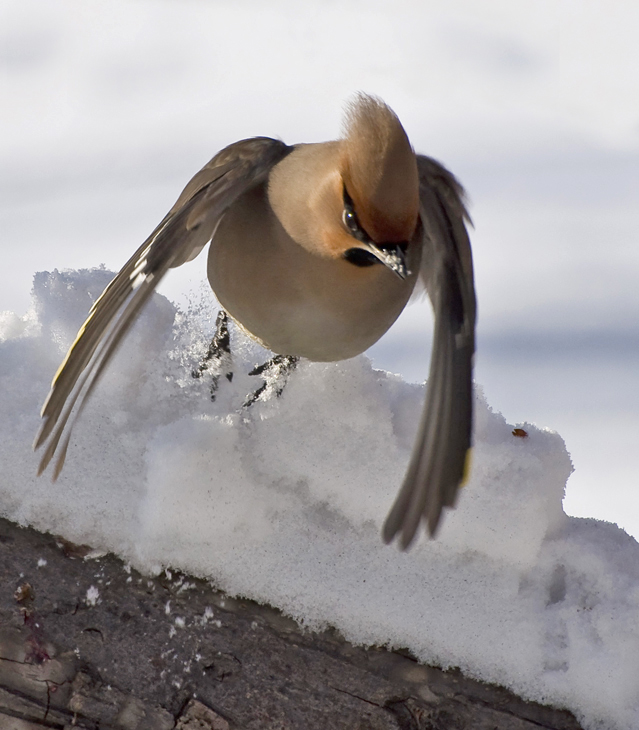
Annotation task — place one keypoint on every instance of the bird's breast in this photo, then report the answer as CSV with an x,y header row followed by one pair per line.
x,y
296,302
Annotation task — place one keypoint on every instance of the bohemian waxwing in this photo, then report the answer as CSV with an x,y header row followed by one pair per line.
x,y
315,251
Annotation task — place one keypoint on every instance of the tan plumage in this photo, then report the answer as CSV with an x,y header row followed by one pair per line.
x,y
316,249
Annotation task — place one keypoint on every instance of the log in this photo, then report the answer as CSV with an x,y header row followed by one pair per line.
x,y
87,642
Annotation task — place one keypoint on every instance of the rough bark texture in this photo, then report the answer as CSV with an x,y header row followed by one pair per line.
x,y
117,657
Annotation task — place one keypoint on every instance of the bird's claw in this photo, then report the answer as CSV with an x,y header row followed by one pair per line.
x,y
275,373
218,357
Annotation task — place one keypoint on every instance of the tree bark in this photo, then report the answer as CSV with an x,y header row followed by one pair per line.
x,y
86,642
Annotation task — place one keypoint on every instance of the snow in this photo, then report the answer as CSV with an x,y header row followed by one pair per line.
x,y
283,503
93,596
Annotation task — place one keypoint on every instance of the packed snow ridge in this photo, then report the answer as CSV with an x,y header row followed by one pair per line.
x,y
283,503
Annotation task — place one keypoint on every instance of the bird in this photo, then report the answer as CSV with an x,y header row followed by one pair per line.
x,y
315,250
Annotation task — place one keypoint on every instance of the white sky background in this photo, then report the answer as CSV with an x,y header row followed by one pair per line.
x,y
109,107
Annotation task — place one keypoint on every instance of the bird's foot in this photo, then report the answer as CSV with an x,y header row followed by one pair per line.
x,y
218,357
275,373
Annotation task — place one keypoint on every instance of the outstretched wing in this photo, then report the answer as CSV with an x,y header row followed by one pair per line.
x,y
183,233
440,458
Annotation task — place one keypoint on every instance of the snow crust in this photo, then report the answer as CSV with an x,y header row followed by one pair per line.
x,y
283,503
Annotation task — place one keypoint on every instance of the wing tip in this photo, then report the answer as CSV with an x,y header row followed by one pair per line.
x,y
394,526
468,460
42,434
398,523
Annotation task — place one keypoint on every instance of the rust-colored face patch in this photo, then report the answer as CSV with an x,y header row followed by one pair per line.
x,y
380,225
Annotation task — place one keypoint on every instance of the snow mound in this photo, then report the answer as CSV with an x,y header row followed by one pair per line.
x,y
283,503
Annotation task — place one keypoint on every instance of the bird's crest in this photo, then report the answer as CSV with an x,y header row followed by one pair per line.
x,y
379,170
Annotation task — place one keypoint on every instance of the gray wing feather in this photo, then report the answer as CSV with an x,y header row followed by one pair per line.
x,y
439,462
185,230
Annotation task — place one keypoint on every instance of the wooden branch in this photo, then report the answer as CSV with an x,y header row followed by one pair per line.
x,y
86,642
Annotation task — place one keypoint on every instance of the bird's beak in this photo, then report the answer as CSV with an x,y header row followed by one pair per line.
x,y
391,255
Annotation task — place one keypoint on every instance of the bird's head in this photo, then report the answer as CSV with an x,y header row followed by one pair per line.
x,y
379,186
356,199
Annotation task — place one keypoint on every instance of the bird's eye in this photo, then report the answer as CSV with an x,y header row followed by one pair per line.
x,y
350,220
